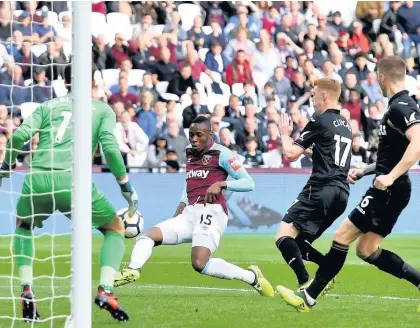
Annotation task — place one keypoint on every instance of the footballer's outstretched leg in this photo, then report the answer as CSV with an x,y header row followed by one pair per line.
x,y
112,252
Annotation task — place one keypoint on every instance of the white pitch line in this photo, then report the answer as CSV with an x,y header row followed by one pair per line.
x,y
237,290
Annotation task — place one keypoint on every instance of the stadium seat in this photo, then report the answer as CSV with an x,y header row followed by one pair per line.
x,y
38,49
27,82
162,86
376,25
117,19
202,91
371,66
110,76
17,13
349,65
27,108
188,11
97,23
135,77
158,29
207,30
217,76
202,53
63,13
205,79
238,89
260,79
52,17
59,88
169,96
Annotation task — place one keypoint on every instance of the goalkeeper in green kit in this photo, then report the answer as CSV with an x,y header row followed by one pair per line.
x,y
48,185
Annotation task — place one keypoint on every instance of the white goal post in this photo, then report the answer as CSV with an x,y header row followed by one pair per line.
x,y
81,290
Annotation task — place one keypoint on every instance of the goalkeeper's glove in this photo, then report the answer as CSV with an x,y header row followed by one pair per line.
x,y
6,171
130,195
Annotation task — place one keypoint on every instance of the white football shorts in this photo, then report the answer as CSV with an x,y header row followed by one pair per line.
x,y
199,224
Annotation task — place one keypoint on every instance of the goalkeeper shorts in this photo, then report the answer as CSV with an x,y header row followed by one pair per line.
x,y
44,192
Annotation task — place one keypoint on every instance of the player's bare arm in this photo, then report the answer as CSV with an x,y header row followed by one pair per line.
x,y
410,157
358,173
214,190
179,209
291,151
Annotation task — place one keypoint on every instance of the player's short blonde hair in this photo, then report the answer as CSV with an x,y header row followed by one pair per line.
x,y
393,67
333,87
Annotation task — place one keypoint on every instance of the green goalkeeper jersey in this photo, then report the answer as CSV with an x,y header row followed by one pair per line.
x,y
53,121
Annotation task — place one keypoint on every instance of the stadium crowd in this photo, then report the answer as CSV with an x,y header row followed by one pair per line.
x,y
160,64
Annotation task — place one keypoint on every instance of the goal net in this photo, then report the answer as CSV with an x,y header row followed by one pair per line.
x,y
33,57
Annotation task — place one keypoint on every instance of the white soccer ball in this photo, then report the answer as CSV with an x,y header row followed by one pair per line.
x,y
134,225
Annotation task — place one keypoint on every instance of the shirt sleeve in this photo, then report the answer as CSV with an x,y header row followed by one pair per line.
x,y
310,134
184,197
110,145
242,180
23,134
403,115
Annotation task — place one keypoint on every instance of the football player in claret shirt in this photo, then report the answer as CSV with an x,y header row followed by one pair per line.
x,y
201,217
378,211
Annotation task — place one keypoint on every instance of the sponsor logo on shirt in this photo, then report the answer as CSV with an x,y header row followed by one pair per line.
x,y
412,119
197,174
303,135
206,159
235,164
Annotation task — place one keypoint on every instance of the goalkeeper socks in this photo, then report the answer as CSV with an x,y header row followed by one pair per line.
x,y
309,253
141,252
391,263
24,252
219,268
333,262
112,253
291,254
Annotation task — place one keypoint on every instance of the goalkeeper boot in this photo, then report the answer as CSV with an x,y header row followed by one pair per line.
x,y
261,284
29,310
126,276
109,302
298,299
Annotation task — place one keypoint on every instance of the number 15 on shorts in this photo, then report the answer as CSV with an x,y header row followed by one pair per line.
x,y
206,219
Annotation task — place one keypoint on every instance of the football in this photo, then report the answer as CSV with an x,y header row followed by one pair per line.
x,y
134,225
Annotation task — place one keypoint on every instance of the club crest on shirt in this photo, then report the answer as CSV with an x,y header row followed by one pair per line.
x,y
206,159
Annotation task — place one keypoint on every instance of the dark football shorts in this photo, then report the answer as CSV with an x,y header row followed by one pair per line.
x,y
378,211
316,208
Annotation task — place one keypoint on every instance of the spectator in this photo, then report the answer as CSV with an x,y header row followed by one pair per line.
x,y
5,22
3,144
25,58
350,83
215,60
286,28
311,73
328,71
300,91
26,27
313,55
64,31
253,157
176,141
358,153
144,29
42,90
13,49
312,34
243,21
372,122
249,96
123,95
118,108
122,49
172,166
226,138
15,94
148,86
337,60
216,35
409,62
160,110
360,69
163,69
297,17
164,41
253,24
367,12
144,58
271,21
266,58
196,34
354,106
249,131
147,118
102,54
408,22
181,81
241,42
326,31
389,20
156,155
337,22
216,13
286,47
44,32
216,122
116,87
3,115
191,112
281,83
239,71
372,88
272,139
175,24
359,39
55,60
132,140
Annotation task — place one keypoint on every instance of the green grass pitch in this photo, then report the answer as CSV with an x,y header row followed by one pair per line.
x,y
170,294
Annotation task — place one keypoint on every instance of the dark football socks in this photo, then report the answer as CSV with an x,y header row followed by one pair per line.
x,y
393,264
331,266
291,254
309,253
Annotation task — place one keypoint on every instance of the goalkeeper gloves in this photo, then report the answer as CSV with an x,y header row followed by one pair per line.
x,y
6,171
130,195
